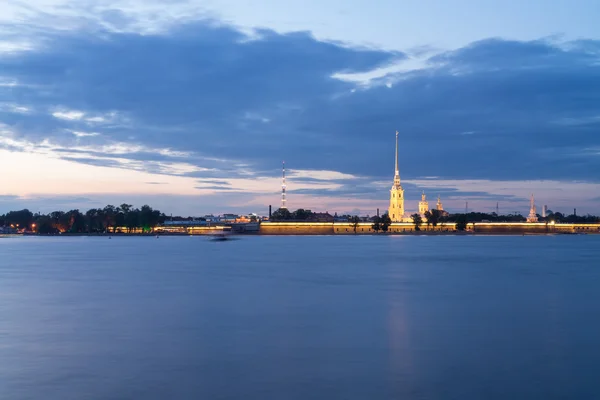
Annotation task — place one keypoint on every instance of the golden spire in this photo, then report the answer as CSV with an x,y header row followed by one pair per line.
x,y
397,171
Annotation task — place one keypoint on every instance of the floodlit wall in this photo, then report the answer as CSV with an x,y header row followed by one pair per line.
x,y
296,228
345,228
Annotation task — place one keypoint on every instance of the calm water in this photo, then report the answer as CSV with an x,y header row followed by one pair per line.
x,y
300,318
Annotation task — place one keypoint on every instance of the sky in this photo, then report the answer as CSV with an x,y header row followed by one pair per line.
x,y
192,106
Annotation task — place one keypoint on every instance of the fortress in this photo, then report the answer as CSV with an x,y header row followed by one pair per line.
x,y
402,223
396,211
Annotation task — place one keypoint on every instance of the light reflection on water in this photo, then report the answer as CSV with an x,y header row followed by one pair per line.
x,y
299,317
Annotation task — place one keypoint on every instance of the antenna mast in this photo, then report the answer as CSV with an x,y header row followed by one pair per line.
x,y
283,205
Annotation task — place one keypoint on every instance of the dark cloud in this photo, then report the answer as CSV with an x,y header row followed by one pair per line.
x,y
205,88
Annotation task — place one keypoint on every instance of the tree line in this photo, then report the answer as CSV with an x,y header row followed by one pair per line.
x,y
283,214
110,219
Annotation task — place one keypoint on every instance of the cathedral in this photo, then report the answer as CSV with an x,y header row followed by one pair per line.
x,y
396,210
423,205
532,211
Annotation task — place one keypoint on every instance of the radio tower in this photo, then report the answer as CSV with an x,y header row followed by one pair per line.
x,y
283,206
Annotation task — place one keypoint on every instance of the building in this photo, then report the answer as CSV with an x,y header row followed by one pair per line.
x,y
320,217
7,230
440,207
396,210
423,205
532,212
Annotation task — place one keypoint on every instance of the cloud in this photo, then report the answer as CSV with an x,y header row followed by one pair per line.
x,y
203,100
68,115
85,134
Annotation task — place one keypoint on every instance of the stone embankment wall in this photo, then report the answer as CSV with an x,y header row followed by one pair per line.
x,y
328,228
296,228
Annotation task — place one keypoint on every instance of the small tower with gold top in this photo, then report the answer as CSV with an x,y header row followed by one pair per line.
x,y
423,204
439,206
396,210
532,211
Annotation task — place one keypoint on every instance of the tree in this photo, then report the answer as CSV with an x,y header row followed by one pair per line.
x,y
417,221
301,214
21,219
376,224
385,222
354,221
132,219
110,218
76,222
433,217
95,220
281,214
45,226
461,222
148,218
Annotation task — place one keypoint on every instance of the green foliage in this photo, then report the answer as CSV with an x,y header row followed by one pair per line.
x,y
281,214
461,222
301,214
571,219
481,217
433,217
381,223
385,222
22,218
45,226
95,220
355,220
417,221
376,224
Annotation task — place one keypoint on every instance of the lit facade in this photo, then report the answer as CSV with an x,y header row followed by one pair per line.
x,y
423,205
532,212
396,210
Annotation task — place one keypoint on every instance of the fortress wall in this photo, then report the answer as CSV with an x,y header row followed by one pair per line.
x,y
541,227
364,228
342,228
296,228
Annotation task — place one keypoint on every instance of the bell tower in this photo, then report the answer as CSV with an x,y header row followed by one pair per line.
x,y
439,205
423,205
532,211
396,210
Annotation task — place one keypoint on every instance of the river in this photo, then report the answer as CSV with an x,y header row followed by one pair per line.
x,y
312,317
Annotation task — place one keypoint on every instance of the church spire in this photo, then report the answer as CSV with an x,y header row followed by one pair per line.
x,y
396,209
532,202
532,211
397,171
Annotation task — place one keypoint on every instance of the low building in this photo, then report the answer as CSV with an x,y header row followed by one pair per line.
x,y
320,217
194,222
7,230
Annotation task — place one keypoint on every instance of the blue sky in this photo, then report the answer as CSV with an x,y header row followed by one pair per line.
x,y
191,107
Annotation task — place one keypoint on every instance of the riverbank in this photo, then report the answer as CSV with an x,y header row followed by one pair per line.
x,y
411,233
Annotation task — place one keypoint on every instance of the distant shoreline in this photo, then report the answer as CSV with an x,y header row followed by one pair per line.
x,y
413,233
